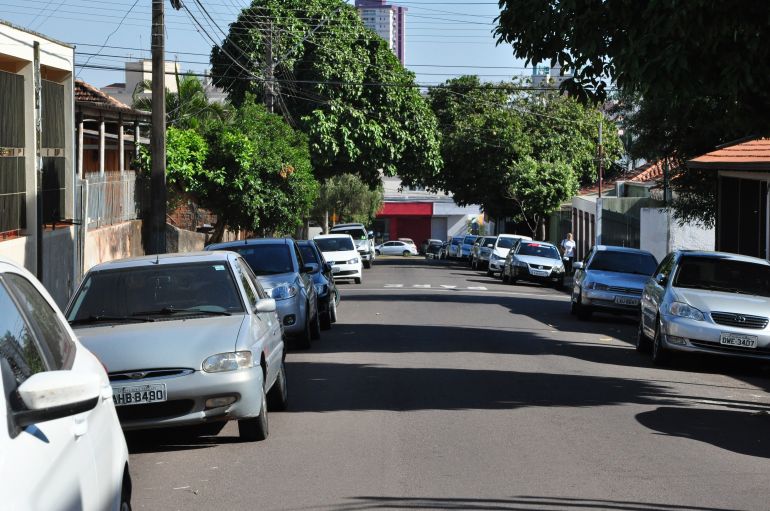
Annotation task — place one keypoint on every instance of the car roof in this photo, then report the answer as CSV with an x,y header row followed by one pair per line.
x,y
515,236
228,245
723,255
535,242
339,226
167,259
331,236
627,250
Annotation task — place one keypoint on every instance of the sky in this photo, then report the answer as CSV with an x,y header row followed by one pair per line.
x,y
444,39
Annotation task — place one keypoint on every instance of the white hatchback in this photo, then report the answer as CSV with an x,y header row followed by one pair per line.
x,y
61,446
340,251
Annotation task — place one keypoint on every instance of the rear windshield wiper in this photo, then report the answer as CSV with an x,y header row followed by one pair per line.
x,y
108,319
174,310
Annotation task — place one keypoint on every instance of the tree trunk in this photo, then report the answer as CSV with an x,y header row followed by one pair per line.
x,y
541,228
326,222
219,231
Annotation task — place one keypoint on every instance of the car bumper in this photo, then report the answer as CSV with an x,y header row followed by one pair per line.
x,y
496,266
292,314
688,335
347,271
187,396
611,302
366,256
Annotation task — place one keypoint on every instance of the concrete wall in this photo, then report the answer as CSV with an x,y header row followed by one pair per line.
x,y
113,242
58,264
661,234
179,240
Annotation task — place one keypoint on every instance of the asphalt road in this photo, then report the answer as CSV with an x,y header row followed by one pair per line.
x,y
472,394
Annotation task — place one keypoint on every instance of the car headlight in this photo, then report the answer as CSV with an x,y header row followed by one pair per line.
x,y
558,269
495,257
223,362
352,261
597,286
520,264
320,289
684,310
283,291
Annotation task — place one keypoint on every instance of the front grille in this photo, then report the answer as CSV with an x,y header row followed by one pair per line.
x,y
540,267
739,320
346,272
164,410
730,349
625,290
143,374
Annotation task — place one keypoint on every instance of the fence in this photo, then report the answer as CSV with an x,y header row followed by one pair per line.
x,y
114,197
621,220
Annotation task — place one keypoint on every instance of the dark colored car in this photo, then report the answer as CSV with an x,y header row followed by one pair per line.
x,y
323,279
278,264
433,249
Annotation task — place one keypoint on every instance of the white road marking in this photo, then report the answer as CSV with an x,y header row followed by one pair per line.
x,y
422,286
394,285
477,288
448,287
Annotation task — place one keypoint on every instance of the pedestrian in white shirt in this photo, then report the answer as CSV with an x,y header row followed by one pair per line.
x,y
568,252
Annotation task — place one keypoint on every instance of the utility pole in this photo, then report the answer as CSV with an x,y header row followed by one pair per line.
x,y
158,138
39,228
269,71
601,160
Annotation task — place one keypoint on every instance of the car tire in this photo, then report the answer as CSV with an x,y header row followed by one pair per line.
x,y
643,344
377,252
125,491
506,278
584,312
326,317
333,309
660,355
572,305
406,253
367,264
303,341
256,429
315,326
490,274
357,280
278,396
559,284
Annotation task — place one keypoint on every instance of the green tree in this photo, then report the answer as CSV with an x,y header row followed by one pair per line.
x,y
188,108
689,72
360,109
349,198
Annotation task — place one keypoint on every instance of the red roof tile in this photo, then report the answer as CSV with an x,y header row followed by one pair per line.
x,y
86,94
750,155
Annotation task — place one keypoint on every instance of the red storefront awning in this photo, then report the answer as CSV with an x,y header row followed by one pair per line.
x,y
406,209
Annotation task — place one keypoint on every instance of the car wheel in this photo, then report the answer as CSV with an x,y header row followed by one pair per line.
x,y
357,280
490,274
660,355
333,309
367,264
303,341
256,429
315,326
406,253
559,284
377,252
642,341
572,305
583,311
504,276
125,491
326,317
278,397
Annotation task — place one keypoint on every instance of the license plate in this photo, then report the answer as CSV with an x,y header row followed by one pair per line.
x,y
622,300
743,341
139,394
540,273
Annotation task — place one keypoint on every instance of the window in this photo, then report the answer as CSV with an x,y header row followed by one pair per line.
x,y
308,254
623,262
665,267
723,274
48,329
298,255
17,346
538,250
267,259
251,293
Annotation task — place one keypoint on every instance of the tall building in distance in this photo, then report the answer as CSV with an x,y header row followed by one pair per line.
x,y
389,21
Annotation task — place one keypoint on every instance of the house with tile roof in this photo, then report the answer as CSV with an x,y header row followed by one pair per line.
x,y
743,171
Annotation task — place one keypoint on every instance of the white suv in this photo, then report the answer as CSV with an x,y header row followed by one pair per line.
x,y
61,442
503,245
339,250
363,239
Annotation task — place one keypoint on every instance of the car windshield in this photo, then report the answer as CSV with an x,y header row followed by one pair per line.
x,y
720,274
505,242
355,232
623,262
335,244
267,259
456,241
129,293
539,250
469,240
308,254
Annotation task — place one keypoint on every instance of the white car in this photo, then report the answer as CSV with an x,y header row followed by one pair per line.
x,y
503,245
341,252
61,446
397,248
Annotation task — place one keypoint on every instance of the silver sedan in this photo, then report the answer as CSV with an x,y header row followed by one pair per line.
x,y
186,339
707,302
611,280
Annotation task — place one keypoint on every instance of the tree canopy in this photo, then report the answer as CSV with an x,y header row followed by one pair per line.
x,y
690,73
349,198
341,84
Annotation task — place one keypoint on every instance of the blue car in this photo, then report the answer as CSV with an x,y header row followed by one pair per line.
x,y
323,278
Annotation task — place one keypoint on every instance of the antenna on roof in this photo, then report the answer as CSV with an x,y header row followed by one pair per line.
x,y
157,258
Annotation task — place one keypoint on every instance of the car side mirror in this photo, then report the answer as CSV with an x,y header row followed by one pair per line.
x,y
265,305
490,245
577,266
661,279
328,267
51,395
308,268
370,234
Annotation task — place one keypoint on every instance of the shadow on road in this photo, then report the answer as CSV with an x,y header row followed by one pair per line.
x,y
178,439
516,503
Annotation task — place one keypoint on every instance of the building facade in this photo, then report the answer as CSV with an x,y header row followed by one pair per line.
x,y
388,21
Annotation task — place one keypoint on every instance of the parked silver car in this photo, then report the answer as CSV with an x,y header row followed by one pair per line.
x,y
534,261
481,251
611,279
707,302
186,339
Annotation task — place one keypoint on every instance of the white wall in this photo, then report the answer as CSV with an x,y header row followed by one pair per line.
x,y
438,228
661,234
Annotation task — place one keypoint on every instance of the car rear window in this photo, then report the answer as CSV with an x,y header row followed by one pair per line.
x,y
623,262
505,242
130,292
335,244
267,259
539,250
355,232
721,274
